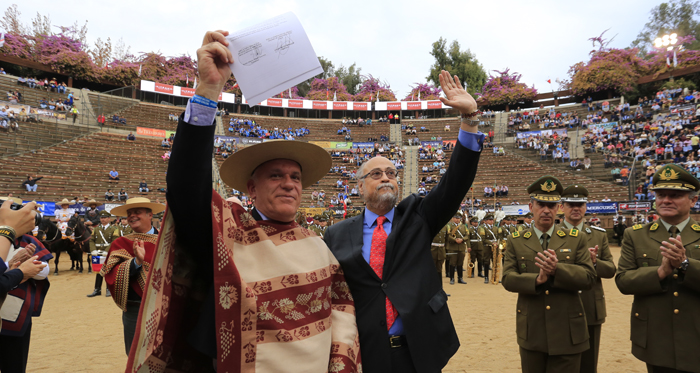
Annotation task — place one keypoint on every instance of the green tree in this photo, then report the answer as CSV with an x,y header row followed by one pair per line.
x,y
677,16
462,63
350,77
328,71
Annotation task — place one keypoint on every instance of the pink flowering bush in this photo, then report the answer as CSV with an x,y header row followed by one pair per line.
x,y
608,69
285,94
323,90
427,92
371,87
505,89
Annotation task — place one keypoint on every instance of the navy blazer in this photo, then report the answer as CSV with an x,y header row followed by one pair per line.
x,y
409,277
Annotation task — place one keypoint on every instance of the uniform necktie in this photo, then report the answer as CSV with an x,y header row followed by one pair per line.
x,y
545,241
376,261
673,231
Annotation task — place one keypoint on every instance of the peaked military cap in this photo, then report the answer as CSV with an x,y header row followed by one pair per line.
x,y
322,218
575,193
104,214
672,176
546,189
473,219
528,215
488,217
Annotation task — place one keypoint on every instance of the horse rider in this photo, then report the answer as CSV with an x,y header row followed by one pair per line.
x,y
63,215
102,237
92,218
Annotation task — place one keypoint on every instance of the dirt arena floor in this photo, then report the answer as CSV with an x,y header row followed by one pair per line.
x,y
80,334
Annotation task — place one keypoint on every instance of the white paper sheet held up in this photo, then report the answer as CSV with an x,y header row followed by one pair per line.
x,y
271,57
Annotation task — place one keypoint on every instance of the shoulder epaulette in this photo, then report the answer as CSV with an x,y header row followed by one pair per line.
x,y
561,233
598,228
695,227
654,227
637,227
574,232
516,234
527,234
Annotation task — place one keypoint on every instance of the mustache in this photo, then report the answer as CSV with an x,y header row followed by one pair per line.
x,y
385,185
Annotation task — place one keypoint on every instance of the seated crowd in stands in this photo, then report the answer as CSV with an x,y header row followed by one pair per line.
x,y
248,128
49,85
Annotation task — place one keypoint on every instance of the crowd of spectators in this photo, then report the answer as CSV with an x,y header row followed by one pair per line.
x,y
248,128
46,84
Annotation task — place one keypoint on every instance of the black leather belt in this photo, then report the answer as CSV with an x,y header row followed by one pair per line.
x,y
396,341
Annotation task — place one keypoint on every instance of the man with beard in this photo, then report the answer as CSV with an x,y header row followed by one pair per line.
x,y
402,313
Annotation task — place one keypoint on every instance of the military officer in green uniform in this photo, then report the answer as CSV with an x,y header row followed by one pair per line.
x,y
660,265
437,249
475,259
456,246
102,236
124,227
489,238
527,222
574,201
548,266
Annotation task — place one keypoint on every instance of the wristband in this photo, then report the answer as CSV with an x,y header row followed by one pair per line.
x,y
196,99
8,232
472,114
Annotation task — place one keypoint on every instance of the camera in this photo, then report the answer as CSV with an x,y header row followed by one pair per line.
x,y
17,206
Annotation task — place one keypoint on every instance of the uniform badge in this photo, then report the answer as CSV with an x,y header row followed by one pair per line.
x,y
669,174
523,266
588,230
654,227
548,186
645,264
564,250
695,227
574,232
561,234
527,234
516,234
637,226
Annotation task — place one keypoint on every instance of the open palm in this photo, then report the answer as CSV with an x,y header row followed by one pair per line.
x,y
456,96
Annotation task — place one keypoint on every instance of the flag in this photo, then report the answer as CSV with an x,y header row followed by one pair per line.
x,y
97,262
419,95
377,96
188,79
235,85
106,65
549,81
326,94
675,60
335,97
2,38
140,66
290,92
195,83
668,62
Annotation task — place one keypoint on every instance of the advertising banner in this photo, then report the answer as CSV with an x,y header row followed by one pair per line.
x,y
143,131
635,206
601,207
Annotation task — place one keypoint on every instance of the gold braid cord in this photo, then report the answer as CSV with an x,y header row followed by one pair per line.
x,y
120,260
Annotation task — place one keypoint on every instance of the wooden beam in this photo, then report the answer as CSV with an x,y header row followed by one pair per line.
x,y
666,75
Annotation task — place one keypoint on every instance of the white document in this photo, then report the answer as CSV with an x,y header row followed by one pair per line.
x,y
271,57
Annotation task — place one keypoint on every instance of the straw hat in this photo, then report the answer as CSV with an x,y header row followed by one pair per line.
x,y
239,167
91,202
137,202
62,202
14,199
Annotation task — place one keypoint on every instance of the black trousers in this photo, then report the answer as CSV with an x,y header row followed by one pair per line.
x,y
589,358
14,352
98,282
401,360
129,319
657,369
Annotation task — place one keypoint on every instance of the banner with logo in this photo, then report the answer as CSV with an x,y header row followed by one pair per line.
x,y
602,126
341,145
363,145
516,209
173,90
143,131
635,206
601,207
431,144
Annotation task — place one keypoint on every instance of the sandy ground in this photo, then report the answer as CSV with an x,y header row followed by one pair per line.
x,y
80,334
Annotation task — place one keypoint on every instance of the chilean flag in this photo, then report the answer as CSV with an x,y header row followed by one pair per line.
x,y
97,262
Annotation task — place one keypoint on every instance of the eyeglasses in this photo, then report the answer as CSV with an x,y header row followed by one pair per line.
x,y
376,174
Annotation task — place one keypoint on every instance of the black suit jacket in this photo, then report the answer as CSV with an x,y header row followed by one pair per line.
x,y
409,278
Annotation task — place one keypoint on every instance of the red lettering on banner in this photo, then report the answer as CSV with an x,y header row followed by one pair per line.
x,y
164,88
295,103
320,105
143,131
359,106
434,105
413,105
340,106
187,92
393,106
274,102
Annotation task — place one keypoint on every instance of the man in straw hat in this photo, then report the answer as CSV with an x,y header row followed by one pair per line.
x,y
92,215
252,291
63,215
102,236
129,259
548,266
574,200
660,265
404,322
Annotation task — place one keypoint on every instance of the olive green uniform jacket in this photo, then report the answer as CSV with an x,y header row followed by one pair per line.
x,y
665,317
550,317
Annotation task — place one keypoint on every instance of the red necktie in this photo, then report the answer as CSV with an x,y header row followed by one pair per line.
x,y
376,261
